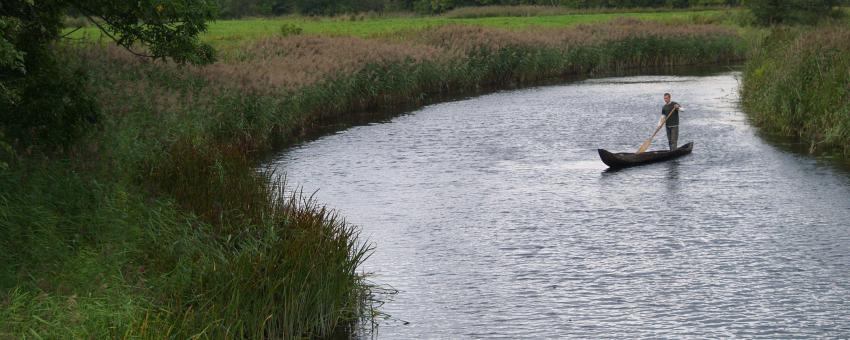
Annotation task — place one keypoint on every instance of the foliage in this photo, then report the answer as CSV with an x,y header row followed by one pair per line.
x,y
242,8
7,154
11,61
56,119
797,84
439,6
169,28
288,29
236,9
29,68
770,12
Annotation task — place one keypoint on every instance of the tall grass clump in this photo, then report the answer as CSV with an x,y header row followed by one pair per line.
x,y
286,269
797,84
90,258
70,253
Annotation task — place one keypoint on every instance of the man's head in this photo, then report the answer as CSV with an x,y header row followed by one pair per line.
x,y
666,98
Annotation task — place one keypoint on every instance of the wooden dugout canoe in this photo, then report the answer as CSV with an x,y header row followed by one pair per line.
x,y
627,159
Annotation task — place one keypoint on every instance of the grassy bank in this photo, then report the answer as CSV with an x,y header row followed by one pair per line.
x,y
797,84
157,223
226,33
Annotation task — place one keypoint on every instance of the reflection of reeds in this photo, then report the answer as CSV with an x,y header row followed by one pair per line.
x,y
798,84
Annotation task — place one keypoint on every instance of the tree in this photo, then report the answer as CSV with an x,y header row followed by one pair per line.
x,y
770,12
29,68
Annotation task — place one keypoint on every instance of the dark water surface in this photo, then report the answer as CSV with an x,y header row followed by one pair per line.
x,y
494,217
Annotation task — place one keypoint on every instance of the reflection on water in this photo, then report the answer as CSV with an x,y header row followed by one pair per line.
x,y
494,217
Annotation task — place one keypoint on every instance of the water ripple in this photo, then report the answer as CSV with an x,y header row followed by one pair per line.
x,y
495,219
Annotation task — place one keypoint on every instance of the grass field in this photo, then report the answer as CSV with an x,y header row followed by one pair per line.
x,y
225,33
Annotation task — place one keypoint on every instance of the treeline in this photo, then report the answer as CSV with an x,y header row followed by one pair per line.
x,y
772,12
240,8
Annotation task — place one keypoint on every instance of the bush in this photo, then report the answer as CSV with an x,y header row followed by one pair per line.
x,y
288,29
6,152
771,12
53,109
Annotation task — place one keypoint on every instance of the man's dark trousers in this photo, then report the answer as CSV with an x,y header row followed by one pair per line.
x,y
672,136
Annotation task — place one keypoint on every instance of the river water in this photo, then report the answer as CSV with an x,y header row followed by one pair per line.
x,y
494,217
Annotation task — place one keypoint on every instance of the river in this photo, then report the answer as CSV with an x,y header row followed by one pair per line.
x,y
493,217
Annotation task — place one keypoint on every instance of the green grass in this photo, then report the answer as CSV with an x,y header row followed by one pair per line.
x,y
86,256
228,32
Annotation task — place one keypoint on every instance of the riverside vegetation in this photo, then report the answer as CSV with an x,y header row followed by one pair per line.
x,y
797,83
157,224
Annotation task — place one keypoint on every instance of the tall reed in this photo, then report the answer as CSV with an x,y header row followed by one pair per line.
x,y
797,84
111,262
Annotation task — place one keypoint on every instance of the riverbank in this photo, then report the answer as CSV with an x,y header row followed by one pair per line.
x,y
157,223
796,84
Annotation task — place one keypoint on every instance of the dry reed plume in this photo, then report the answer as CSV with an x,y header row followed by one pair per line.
x,y
297,61
292,62
467,38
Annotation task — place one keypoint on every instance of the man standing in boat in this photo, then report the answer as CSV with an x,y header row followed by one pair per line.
x,y
672,123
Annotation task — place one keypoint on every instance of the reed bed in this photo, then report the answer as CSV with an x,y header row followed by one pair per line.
x,y
114,262
287,63
797,84
190,240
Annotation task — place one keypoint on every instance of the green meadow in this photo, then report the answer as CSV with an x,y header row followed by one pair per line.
x,y
227,32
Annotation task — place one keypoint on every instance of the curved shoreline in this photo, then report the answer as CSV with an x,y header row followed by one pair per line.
x,y
209,247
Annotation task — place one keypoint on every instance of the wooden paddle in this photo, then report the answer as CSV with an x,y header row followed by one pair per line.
x,y
648,142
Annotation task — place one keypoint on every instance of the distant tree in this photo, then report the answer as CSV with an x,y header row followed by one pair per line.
x,y
770,12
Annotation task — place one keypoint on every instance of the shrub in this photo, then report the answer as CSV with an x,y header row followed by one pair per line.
x,y
288,29
770,12
54,106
